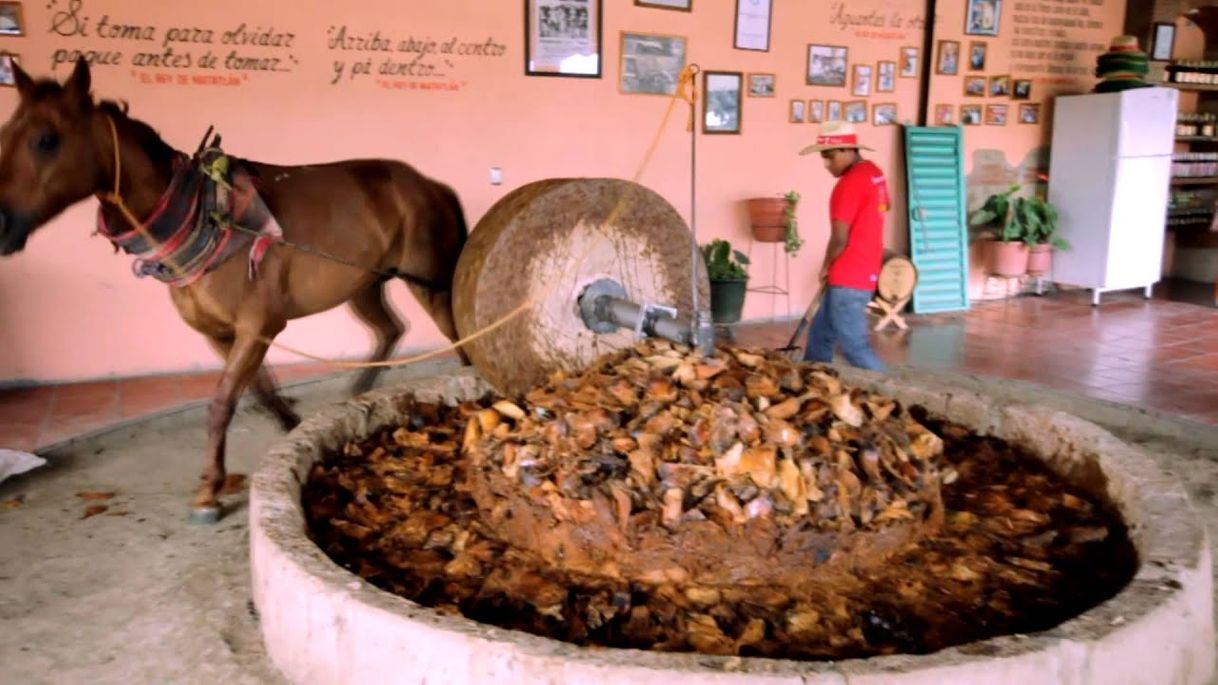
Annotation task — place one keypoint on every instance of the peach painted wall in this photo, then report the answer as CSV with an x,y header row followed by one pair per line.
x,y
70,308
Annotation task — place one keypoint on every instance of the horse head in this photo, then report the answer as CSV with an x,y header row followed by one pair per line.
x,y
52,151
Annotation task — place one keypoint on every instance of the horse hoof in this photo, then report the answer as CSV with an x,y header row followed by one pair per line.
x,y
205,516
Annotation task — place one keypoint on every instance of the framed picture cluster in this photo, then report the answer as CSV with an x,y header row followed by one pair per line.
x,y
977,83
12,23
830,66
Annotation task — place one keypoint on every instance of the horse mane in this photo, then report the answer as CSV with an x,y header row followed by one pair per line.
x,y
155,147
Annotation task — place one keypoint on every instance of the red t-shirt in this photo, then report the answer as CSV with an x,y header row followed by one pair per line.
x,y
859,199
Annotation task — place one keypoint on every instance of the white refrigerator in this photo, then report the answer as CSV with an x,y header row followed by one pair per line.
x,y
1109,177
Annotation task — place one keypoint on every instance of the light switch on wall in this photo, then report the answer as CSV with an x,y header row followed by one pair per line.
x,y
496,176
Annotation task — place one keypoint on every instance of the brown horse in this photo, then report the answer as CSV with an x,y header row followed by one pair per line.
x,y
345,227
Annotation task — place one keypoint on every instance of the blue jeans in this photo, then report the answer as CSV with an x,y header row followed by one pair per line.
x,y
842,318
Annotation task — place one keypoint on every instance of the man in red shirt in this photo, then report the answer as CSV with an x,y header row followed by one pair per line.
x,y
855,251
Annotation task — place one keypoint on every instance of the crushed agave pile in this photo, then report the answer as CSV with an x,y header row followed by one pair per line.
x,y
1018,550
588,467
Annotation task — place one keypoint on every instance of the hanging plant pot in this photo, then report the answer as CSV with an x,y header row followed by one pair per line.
x,y
1039,258
767,216
1008,258
727,299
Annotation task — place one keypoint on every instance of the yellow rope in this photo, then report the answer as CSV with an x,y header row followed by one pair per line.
x,y
685,90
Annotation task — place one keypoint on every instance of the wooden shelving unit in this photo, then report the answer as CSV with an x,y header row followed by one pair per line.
x,y
1193,231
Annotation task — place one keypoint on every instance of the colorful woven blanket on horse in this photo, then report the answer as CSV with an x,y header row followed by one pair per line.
x,y
193,228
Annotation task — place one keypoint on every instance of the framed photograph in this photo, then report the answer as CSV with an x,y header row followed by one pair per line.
x,y
683,5
856,111
862,81
1022,89
981,17
752,29
974,86
1029,113
970,115
886,77
7,77
761,85
816,111
1000,86
562,38
651,63
945,115
948,63
995,115
909,63
826,65
1162,42
976,56
797,111
884,114
833,110
721,106
12,19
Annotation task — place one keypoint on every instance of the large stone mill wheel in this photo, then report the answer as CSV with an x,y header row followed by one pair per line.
x,y
528,245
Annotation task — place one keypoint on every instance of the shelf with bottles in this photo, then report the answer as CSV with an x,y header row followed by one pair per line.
x,y
1199,74
1196,126
1193,166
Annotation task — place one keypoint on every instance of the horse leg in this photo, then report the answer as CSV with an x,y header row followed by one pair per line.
x,y
439,303
265,389
370,307
241,365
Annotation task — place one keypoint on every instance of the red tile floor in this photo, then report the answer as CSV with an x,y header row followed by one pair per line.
x,y
1160,353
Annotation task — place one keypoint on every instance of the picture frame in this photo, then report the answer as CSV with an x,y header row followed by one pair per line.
x,y
947,61
996,115
885,77
721,108
860,85
752,26
982,17
12,19
651,62
1162,41
761,85
909,63
1000,86
855,111
796,111
827,65
833,110
1029,113
970,115
679,5
884,114
816,111
1021,89
976,55
560,40
975,86
8,77
945,115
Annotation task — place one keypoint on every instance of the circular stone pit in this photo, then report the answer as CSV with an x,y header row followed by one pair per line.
x,y
322,623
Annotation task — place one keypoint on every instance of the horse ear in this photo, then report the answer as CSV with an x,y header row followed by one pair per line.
x,y
78,84
25,84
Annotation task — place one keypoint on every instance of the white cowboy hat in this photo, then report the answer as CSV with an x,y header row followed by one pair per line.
x,y
835,135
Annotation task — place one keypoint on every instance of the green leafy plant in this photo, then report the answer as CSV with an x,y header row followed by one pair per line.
x,y
1032,220
792,241
724,263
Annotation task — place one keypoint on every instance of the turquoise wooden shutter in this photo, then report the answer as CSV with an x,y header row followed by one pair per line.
x,y
938,231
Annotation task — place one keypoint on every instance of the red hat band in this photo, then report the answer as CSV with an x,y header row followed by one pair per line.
x,y
847,139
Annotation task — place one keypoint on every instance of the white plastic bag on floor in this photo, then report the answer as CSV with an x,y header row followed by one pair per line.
x,y
13,462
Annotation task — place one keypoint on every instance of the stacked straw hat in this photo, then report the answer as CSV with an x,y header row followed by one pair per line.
x,y
1124,66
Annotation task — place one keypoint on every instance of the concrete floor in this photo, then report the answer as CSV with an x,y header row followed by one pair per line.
x,y
138,595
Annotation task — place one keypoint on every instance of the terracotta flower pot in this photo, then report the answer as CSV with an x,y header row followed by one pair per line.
x,y
768,219
1039,259
1008,258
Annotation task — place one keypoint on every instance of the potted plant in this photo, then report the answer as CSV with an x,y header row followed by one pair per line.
x,y
1037,219
726,269
773,220
1008,251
